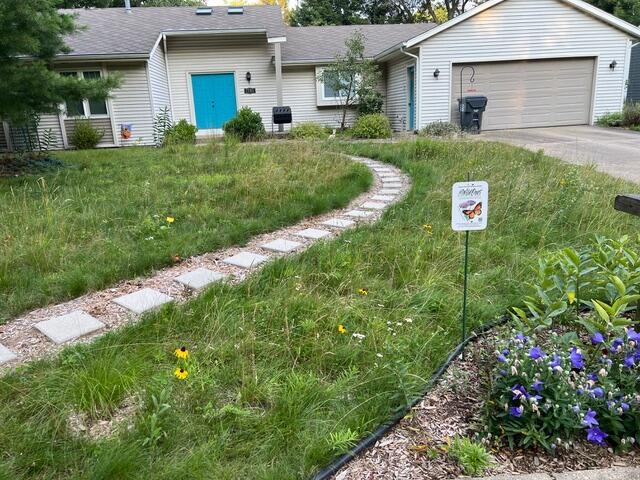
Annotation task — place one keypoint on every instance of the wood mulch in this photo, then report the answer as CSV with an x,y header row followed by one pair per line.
x,y
414,448
16,165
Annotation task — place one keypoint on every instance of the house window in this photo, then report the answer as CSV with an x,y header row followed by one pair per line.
x,y
89,107
330,93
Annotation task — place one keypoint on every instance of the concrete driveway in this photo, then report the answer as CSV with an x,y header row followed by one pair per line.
x,y
613,151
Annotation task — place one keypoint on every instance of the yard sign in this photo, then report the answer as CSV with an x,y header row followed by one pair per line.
x,y
469,212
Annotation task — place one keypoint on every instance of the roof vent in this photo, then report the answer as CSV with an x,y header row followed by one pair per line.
x,y
235,10
204,11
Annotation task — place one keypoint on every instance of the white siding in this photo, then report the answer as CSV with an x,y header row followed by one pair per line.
x,y
132,105
159,82
397,90
520,30
231,54
51,122
300,93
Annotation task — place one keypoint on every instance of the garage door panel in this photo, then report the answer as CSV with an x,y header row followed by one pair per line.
x,y
530,93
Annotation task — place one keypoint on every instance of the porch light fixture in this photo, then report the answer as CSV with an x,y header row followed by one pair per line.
x,y
436,74
613,65
248,77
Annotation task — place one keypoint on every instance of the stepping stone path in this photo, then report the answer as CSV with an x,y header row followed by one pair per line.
x,y
246,259
200,278
281,245
69,327
66,323
143,300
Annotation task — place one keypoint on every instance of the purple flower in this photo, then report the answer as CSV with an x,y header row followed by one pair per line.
x,y
624,406
520,337
519,392
596,435
597,338
556,361
633,335
537,386
617,343
597,392
516,411
577,361
502,358
589,419
593,377
630,361
536,353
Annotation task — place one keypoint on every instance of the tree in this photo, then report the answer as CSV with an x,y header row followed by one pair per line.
x,y
352,76
453,8
628,10
120,3
31,35
327,12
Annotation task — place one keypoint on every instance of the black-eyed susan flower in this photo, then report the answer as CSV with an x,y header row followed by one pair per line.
x,y
363,291
342,329
181,373
182,353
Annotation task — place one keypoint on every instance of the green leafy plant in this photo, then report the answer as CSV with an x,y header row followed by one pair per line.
x,y
371,126
246,125
182,133
48,140
161,125
473,457
153,421
85,136
613,119
309,131
370,101
440,129
631,114
342,440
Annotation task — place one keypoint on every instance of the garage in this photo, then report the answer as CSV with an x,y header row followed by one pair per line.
x,y
522,94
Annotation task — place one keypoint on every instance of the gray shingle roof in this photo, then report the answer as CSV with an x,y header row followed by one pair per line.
x,y
323,43
112,31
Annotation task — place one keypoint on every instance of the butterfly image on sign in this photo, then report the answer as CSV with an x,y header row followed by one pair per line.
x,y
470,206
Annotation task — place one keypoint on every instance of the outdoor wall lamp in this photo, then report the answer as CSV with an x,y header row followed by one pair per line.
x,y
248,77
613,65
436,74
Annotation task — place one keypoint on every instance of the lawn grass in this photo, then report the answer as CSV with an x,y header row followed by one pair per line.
x,y
103,218
274,389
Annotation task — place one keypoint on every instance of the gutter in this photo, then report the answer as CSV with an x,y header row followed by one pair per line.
x,y
418,84
101,57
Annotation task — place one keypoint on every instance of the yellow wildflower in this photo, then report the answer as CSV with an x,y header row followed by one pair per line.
x,y
563,182
181,373
170,219
428,228
182,353
341,329
363,291
572,297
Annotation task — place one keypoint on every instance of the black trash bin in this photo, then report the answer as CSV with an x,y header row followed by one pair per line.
x,y
471,110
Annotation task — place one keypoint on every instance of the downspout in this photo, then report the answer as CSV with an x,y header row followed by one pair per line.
x,y
418,82
166,68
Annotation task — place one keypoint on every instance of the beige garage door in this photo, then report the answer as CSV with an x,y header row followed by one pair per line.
x,y
540,93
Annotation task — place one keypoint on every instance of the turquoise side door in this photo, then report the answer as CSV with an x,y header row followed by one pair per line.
x,y
214,99
411,86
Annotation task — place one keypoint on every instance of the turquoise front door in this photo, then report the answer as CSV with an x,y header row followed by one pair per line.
x,y
411,87
214,99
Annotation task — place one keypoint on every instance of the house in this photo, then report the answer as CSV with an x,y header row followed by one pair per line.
x,y
542,63
633,94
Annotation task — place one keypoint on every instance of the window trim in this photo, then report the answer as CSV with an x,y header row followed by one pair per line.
x,y
85,101
321,99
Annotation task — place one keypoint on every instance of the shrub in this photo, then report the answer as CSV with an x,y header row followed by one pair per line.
x,y
610,120
309,131
374,125
631,114
370,102
85,136
246,125
471,456
182,133
440,129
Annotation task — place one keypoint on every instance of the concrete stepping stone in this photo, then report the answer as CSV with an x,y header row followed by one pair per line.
x,y
382,169
389,191
69,327
388,175
358,213
392,185
383,198
339,223
374,205
143,300
6,355
391,179
199,278
281,245
246,260
313,233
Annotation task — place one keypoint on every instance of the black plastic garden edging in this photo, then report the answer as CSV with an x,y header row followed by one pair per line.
x,y
379,432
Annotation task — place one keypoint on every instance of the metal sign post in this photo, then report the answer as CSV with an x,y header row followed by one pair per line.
x,y
469,212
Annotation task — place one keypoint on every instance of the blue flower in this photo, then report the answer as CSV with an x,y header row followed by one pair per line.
x,y
556,361
630,361
536,353
589,419
624,406
593,377
502,358
597,392
516,411
597,338
519,392
577,361
596,435
633,335
537,386
521,338
617,343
